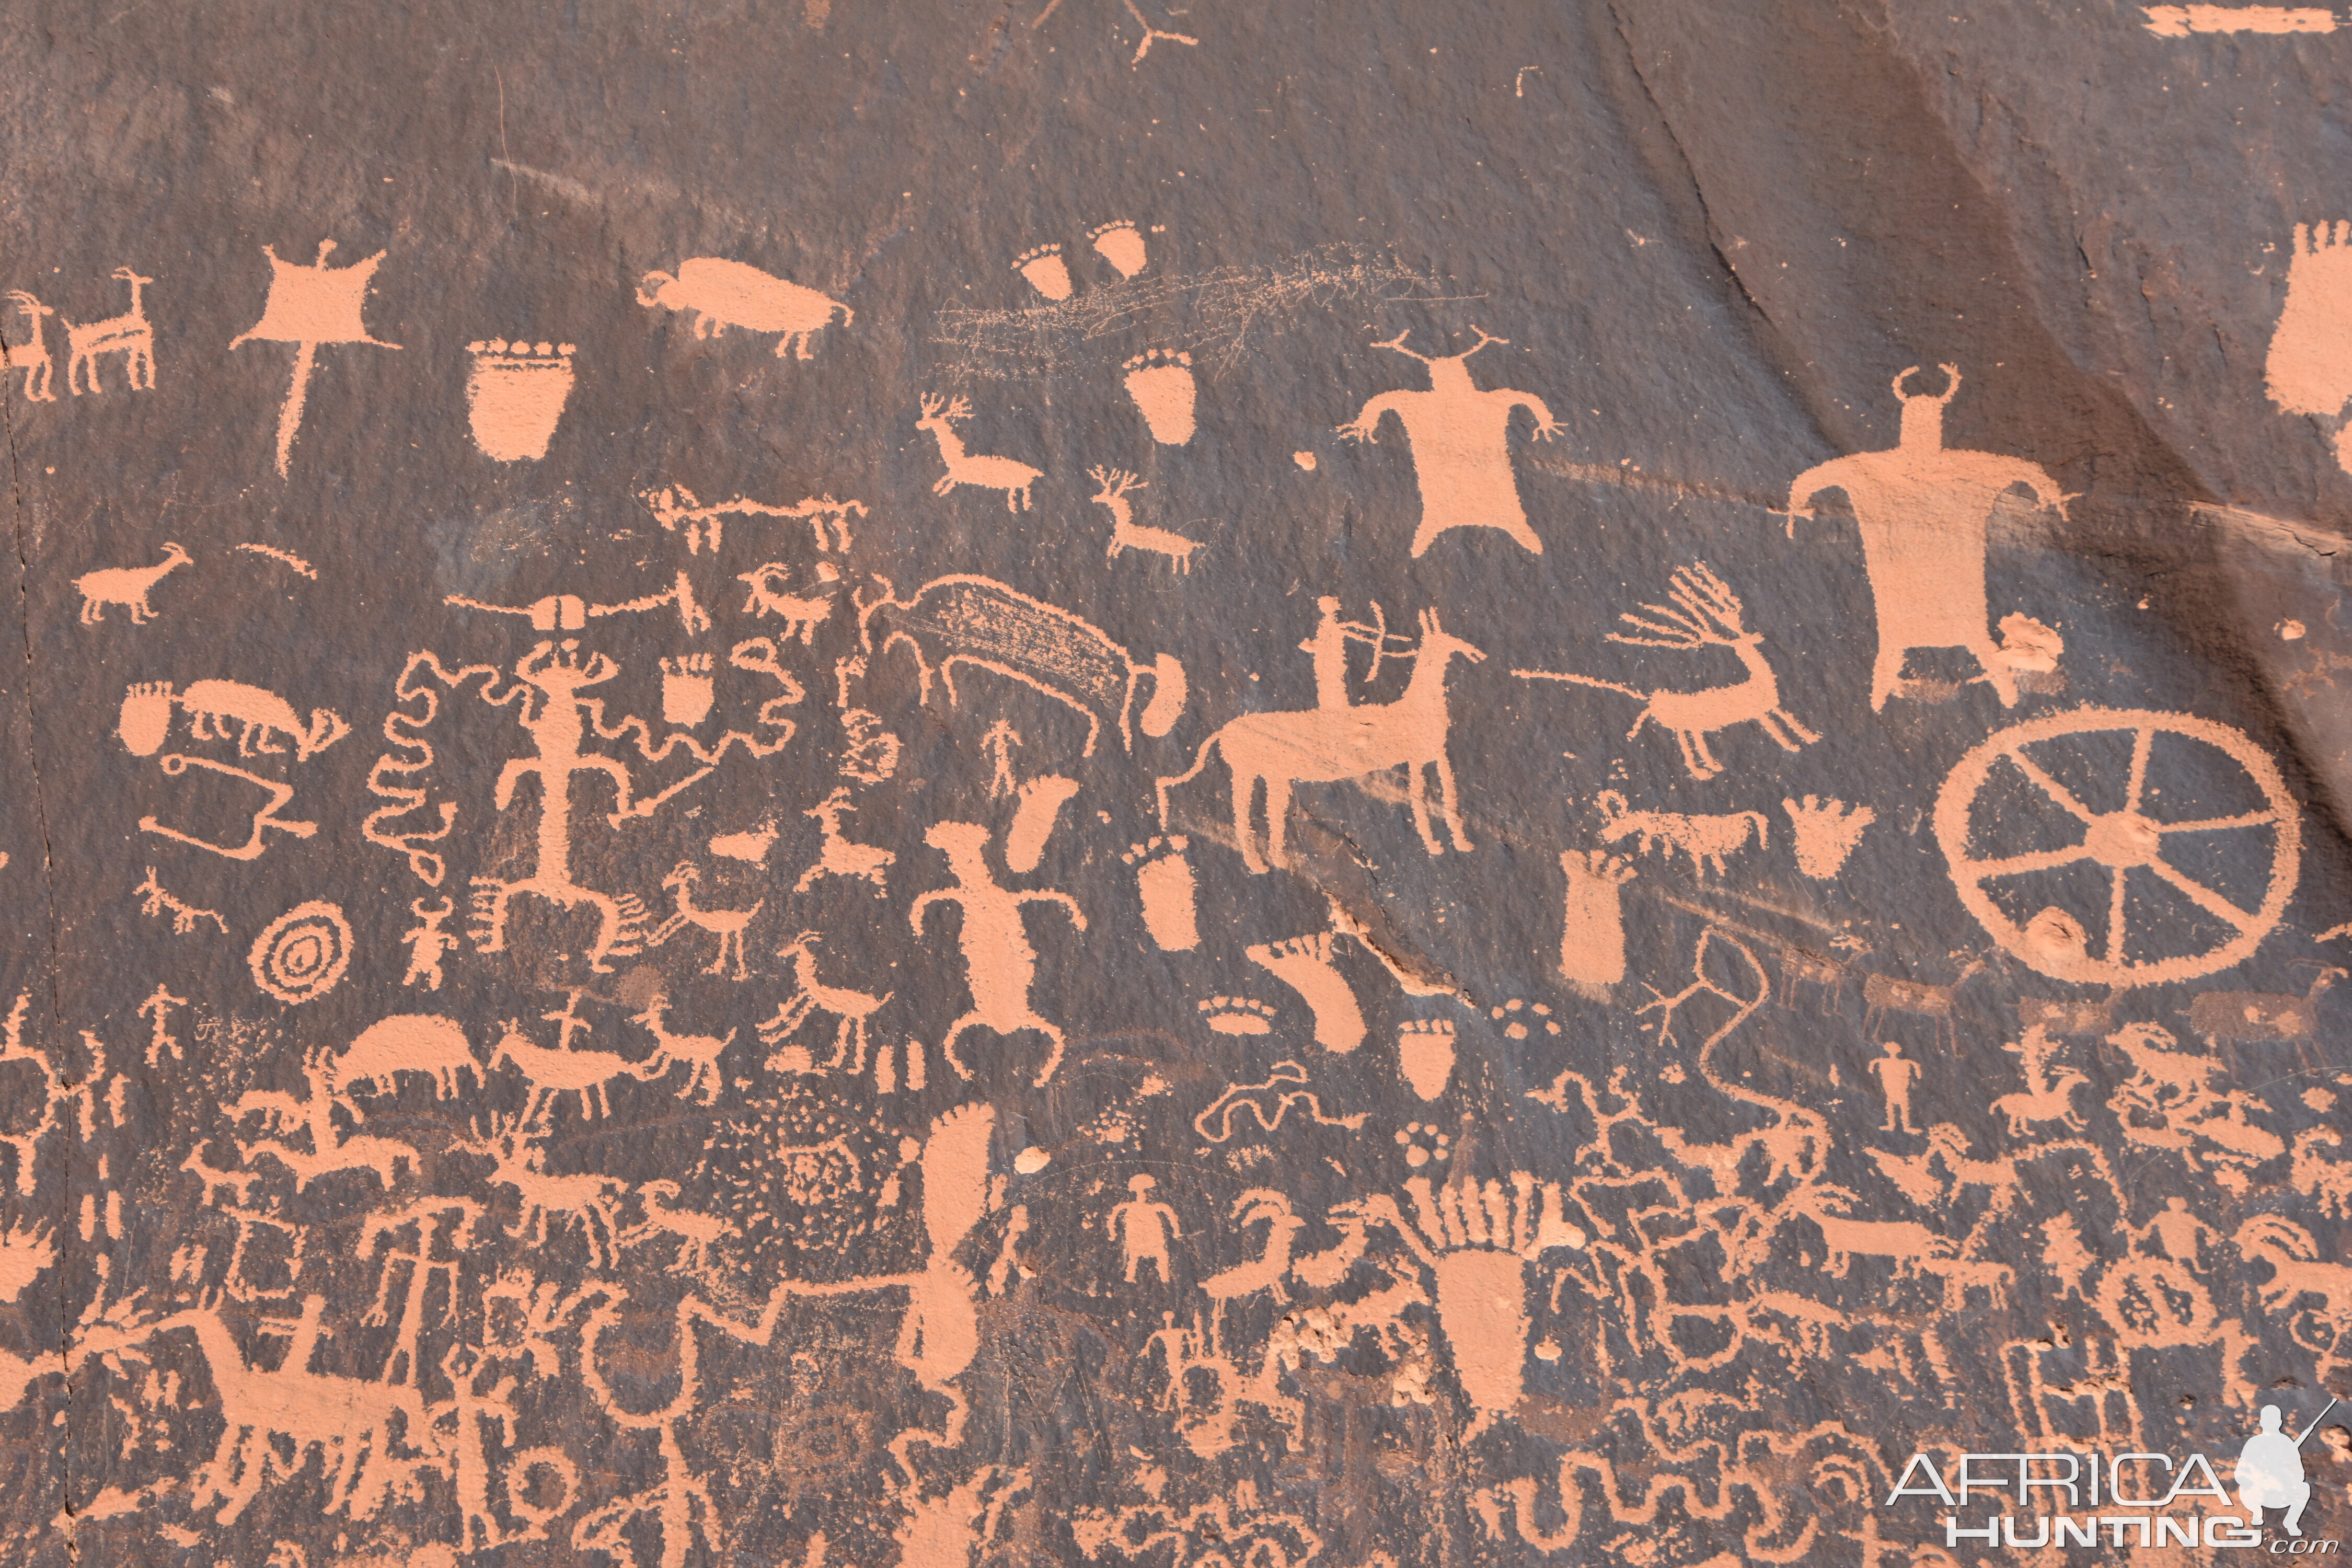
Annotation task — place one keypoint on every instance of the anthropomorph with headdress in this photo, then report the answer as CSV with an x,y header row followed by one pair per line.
x,y
1924,509
1460,453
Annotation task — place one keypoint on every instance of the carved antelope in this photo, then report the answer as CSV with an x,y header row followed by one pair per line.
x,y
555,1072
697,1232
802,615
349,1420
1906,1244
127,586
1935,1003
811,994
842,856
329,1151
32,358
129,334
699,1052
591,1200
2260,1016
1708,840
981,472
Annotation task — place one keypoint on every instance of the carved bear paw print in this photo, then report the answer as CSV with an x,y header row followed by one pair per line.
x,y
1422,1142
1524,1018
1047,271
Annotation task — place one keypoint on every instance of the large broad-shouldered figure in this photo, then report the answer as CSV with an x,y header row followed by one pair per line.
x,y
1461,451
1924,509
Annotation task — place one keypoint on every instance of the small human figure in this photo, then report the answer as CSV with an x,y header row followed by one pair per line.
x,y
1896,1073
1329,646
2270,1474
2179,1235
427,943
1143,1227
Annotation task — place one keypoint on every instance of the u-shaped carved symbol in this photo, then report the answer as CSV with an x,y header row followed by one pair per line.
x,y
174,763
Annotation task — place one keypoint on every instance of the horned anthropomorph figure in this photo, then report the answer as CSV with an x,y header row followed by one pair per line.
x,y
1460,449
1924,509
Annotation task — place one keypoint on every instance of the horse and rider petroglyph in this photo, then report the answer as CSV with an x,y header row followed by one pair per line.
x,y
1319,745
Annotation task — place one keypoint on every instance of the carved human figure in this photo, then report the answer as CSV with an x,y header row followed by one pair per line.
x,y
1328,646
1143,1227
1896,1073
554,718
1459,437
1319,745
2180,1235
1924,509
999,966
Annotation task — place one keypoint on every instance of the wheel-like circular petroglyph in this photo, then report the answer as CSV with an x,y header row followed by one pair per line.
x,y
2128,843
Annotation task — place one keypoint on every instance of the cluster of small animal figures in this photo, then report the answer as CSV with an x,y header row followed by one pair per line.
x,y
830,1183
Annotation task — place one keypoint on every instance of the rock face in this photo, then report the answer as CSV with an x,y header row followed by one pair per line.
x,y
756,814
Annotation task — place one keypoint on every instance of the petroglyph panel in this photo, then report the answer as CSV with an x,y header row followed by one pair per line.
x,y
1159,786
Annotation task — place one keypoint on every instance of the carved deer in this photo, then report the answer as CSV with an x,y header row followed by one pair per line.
x,y
1705,614
1127,534
981,472
842,856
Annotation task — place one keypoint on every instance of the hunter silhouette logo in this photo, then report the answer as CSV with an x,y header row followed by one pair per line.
x,y
2269,1475
2270,1471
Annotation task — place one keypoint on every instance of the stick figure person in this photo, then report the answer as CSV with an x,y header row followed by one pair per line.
x,y
1896,1072
1144,1226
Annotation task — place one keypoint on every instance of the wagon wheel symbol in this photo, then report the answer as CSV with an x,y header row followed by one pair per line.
x,y
2128,843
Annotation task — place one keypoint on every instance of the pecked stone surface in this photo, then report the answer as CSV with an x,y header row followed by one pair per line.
x,y
1095,784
